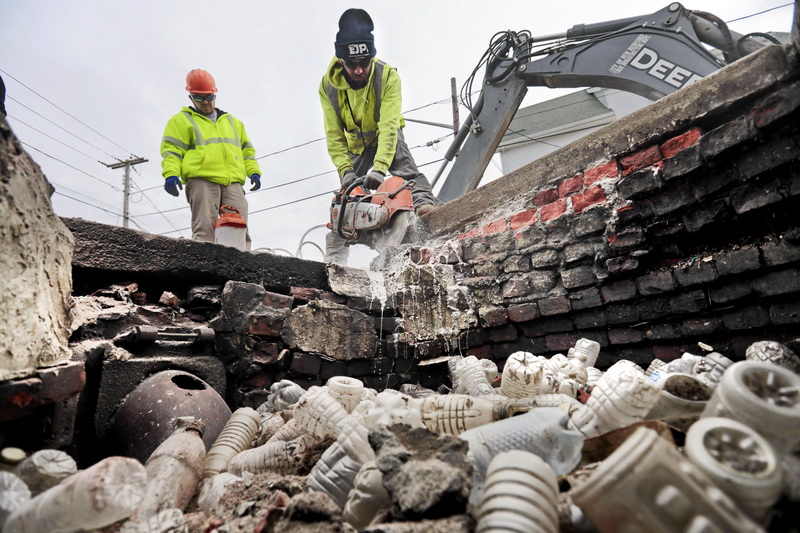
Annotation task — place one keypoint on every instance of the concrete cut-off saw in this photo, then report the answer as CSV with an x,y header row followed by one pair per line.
x,y
378,219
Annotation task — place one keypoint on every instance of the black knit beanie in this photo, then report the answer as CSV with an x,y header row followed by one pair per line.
x,y
354,40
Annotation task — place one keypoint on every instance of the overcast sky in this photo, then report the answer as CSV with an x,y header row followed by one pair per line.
x,y
119,68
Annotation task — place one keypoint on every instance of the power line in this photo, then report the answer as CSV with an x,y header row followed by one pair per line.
x,y
759,13
66,112
86,203
70,166
51,137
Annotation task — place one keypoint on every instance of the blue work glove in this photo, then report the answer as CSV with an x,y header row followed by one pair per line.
x,y
374,179
172,185
255,181
348,179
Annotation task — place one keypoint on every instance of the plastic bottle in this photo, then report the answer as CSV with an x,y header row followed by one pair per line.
x,y
173,472
213,490
230,229
367,498
521,494
282,457
271,424
681,401
320,414
542,431
765,397
453,414
586,351
773,352
237,435
284,394
13,493
10,458
623,395
522,375
289,431
470,373
566,368
710,368
394,407
45,469
346,391
90,499
647,485
334,474
739,461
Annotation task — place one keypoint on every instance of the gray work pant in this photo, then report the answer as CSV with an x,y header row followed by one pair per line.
x,y
403,165
205,198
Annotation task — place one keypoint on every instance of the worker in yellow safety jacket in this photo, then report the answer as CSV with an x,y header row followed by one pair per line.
x,y
209,151
361,100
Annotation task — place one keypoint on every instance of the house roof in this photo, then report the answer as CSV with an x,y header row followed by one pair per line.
x,y
553,116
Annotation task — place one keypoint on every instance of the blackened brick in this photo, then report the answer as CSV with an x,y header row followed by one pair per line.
x,y
777,106
503,334
554,306
639,184
543,326
560,342
476,337
585,298
523,312
672,198
664,331
545,259
653,308
785,313
713,182
655,283
682,164
780,252
306,364
629,239
517,263
427,350
492,316
405,366
730,292
515,288
474,249
504,349
593,221
768,156
381,366
737,261
775,283
590,319
755,195
577,277
731,134
389,324
622,314
688,302
619,265
635,213
265,353
277,301
624,335
358,367
717,212
582,251
432,376
619,291
481,352
502,242
530,236
542,281
746,318
331,369
700,326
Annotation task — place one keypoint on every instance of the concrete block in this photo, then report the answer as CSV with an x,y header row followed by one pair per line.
x,y
585,298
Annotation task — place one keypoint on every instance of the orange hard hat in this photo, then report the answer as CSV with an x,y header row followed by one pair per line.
x,y
199,81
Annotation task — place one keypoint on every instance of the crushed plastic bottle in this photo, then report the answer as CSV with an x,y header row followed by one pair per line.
x,y
237,435
345,390
281,456
367,498
775,353
13,493
45,469
522,375
681,401
284,394
469,372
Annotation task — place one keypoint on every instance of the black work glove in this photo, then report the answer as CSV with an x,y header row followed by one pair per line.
x,y
348,179
374,179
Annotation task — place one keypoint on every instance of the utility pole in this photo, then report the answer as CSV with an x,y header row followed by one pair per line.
x,y
454,96
127,188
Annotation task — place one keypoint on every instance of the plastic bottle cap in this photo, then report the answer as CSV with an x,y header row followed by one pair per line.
x,y
12,456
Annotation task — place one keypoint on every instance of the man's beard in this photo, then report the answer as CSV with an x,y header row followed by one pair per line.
x,y
355,84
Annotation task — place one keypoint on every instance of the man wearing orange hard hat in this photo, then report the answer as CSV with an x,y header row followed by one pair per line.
x,y
209,151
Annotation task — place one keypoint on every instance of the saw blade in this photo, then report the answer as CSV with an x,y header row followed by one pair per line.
x,y
392,233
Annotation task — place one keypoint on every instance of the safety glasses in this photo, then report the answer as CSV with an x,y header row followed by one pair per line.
x,y
352,65
203,97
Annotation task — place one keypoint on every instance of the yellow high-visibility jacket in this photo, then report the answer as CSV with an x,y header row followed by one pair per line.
x,y
194,146
359,118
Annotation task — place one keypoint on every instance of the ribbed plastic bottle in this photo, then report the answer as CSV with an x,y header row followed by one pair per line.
x,y
367,498
346,390
647,485
320,414
773,352
586,351
13,493
104,493
739,461
282,457
237,436
284,394
623,395
522,375
765,397
173,471
290,431
470,373
566,368
521,494
453,414
334,474
542,431
710,368
45,469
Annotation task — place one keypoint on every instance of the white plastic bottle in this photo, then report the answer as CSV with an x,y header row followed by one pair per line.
x,y
237,435
521,494
13,493
367,498
45,469
281,456
346,390
522,375
765,397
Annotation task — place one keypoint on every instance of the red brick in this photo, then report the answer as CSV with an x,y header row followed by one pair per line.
x,y
523,312
264,325
640,160
481,352
572,185
265,352
421,256
18,398
262,380
522,219
554,210
333,297
605,171
61,382
471,233
590,197
681,142
304,293
545,197
498,226
278,301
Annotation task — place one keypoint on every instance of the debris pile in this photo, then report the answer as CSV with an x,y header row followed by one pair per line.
x,y
552,445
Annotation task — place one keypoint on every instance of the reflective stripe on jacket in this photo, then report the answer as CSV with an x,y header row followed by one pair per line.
x,y
357,119
194,146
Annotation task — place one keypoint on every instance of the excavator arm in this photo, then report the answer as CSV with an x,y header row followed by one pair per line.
x,y
652,56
